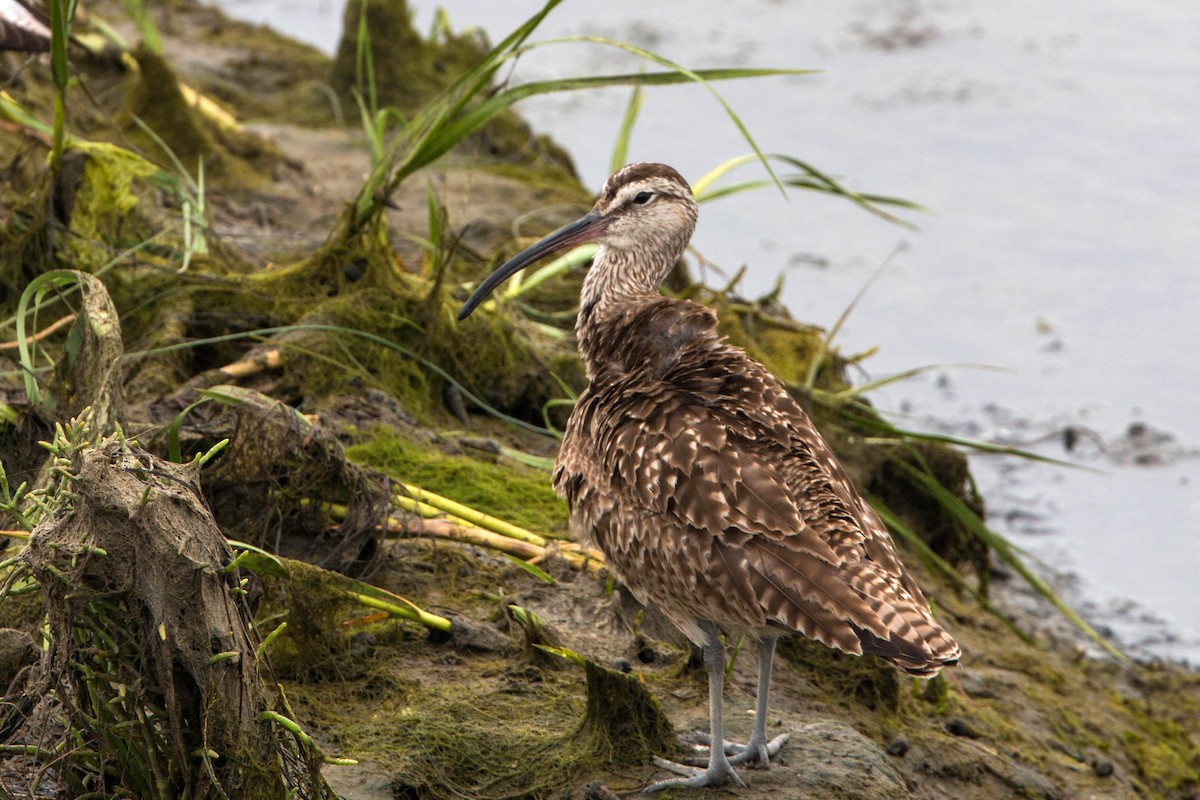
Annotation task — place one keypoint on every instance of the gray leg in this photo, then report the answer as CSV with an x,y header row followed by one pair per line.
x,y
758,750
718,770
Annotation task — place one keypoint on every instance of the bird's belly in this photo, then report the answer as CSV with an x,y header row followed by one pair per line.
x,y
668,566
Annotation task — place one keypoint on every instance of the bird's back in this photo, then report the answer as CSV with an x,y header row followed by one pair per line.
x,y
714,498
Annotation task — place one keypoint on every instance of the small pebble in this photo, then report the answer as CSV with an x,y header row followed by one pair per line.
x,y
645,652
362,644
622,665
1102,767
898,747
354,270
960,727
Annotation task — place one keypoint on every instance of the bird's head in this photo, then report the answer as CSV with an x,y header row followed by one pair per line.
x,y
643,221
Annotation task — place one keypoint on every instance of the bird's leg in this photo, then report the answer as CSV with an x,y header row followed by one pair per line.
x,y
718,770
758,750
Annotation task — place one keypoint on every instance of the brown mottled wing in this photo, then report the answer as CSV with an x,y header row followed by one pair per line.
x,y
20,29
718,445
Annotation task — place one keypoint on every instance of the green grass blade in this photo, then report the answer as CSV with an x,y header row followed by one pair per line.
x,y
432,147
1005,551
542,463
696,76
620,155
531,568
562,652
26,346
896,434
61,13
139,15
573,258
862,388
811,376
258,560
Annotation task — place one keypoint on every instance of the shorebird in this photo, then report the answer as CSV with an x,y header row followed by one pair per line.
x,y
708,489
22,29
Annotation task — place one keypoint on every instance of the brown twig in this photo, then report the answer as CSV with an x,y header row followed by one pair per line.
x,y
268,359
42,334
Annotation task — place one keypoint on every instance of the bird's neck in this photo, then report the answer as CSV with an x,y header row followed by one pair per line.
x,y
618,283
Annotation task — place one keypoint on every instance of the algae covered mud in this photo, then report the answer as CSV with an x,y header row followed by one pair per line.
x,y
261,354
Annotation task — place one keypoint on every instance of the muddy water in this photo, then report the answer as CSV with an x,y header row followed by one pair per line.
x,y
1055,146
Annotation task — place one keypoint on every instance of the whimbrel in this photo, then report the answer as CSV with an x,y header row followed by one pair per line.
x,y
22,29
705,485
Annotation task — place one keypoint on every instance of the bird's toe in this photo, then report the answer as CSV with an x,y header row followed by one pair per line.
x,y
694,778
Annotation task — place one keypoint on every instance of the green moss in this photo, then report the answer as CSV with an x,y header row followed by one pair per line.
x,y
515,493
1159,760
869,681
267,74
1162,740
624,722
105,205
408,69
785,348
180,135
495,737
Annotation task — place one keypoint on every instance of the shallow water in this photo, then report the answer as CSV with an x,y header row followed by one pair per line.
x,y
1055,145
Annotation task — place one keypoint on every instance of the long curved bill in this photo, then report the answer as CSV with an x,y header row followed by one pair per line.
x,y
584,229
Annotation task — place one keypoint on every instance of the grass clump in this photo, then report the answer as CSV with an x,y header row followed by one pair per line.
x,y
624,722
455,731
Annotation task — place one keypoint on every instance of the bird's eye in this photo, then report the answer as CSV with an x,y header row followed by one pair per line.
x,y
641,198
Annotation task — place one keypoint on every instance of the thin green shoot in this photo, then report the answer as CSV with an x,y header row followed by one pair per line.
x,y
62,12
1004,549
364,62
194,211
139,15
810,377
696,76
26,344
192,202
810,178
294,728
860,389
174,451
203,458
550,405
531,568
12,111
620,156
541,463
576,257
257,560
266,642
563,652
856,413
371,337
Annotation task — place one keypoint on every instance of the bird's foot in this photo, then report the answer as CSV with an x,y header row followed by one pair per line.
x,y
755,753
713,775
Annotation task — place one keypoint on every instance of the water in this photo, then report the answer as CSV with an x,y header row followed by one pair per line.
x,y
1055,144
